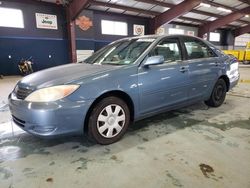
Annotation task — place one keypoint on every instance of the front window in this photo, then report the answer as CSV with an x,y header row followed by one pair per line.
x,y
169,49
121,53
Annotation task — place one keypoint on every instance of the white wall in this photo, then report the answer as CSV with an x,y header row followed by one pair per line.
x,y
241,41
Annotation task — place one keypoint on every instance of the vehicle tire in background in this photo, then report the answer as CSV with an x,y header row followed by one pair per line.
x,y
246,62
218,94
108,120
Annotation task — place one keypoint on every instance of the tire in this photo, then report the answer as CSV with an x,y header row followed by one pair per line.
x,y
218,95
108,121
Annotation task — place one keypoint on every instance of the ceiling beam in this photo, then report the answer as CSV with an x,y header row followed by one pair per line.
x,y
223,21
175,12
245,1
76,7
169,5
241,30
148,12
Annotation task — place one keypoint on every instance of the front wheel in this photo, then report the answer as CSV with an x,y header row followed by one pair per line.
x,y
108,120
218,95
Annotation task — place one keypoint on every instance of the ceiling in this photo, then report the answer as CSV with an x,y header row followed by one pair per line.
x,y
209,11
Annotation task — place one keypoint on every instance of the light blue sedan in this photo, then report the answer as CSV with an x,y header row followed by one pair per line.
x,y
128,80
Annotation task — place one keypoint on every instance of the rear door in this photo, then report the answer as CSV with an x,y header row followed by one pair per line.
x,y
163,85
203,65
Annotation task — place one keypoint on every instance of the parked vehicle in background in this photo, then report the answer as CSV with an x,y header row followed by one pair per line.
x,y
241,55
126,81
25,66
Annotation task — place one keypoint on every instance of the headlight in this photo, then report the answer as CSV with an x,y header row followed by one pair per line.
x,y
51,93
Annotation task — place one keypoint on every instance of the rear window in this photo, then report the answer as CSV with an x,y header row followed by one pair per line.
x,y
197,49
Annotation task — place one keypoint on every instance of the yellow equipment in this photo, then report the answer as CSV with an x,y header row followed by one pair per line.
x,y
241,55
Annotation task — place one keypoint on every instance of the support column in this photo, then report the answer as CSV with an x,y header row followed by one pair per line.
x,y
71,38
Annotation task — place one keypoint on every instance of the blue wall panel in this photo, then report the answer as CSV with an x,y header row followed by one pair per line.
x,y
100,44
85,44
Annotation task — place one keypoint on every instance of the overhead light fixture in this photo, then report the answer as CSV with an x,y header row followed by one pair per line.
x,y
247,16
205,5
223,9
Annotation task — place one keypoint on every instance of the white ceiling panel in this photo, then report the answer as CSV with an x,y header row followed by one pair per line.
x,y
101,8
131,13
246,19
103,1
144,6
187,22
211,19
243,25
196,23
145,15
172,1
115,10
236,23
129,3
230,3
178,20
159,9
244,5
196,16
210,10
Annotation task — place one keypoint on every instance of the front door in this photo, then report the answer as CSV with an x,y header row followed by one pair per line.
x,y
164,85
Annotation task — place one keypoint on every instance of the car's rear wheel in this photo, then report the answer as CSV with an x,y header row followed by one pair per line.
x,y
108,120
218,95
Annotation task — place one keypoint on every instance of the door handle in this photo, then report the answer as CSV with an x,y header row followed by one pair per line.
x,y
183,69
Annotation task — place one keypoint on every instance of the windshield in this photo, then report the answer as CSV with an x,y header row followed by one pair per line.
x,y
120,53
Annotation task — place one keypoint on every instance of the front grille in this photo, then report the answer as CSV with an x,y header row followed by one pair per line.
x,y
18,121
22,93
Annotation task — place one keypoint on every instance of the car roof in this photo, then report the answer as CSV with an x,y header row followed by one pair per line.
x,y
160,37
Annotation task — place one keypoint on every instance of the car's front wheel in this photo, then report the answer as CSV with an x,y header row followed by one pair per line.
x,y
218,94
108,120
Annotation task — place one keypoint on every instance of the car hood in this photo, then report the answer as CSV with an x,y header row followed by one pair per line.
x,y
63,74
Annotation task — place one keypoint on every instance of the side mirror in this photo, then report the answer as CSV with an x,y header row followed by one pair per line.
x,y
154,60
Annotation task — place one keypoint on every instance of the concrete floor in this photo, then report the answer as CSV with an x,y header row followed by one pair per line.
x,y
195,146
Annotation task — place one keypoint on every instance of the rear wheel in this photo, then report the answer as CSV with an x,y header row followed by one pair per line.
x,y
108,120
218,95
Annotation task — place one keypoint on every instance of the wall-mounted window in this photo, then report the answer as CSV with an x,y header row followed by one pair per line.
x,y
114,28
11,18
214,37
173,31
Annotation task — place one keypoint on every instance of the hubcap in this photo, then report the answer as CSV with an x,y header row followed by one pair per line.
x,y
111,121
219,92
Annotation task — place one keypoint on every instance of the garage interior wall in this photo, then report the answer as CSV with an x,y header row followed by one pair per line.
x,y
47,47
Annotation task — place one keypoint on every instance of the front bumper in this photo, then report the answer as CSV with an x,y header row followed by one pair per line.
x,y
49,119
233,79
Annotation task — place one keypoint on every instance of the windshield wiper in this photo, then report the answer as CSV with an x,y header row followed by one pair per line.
x,y
117,64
